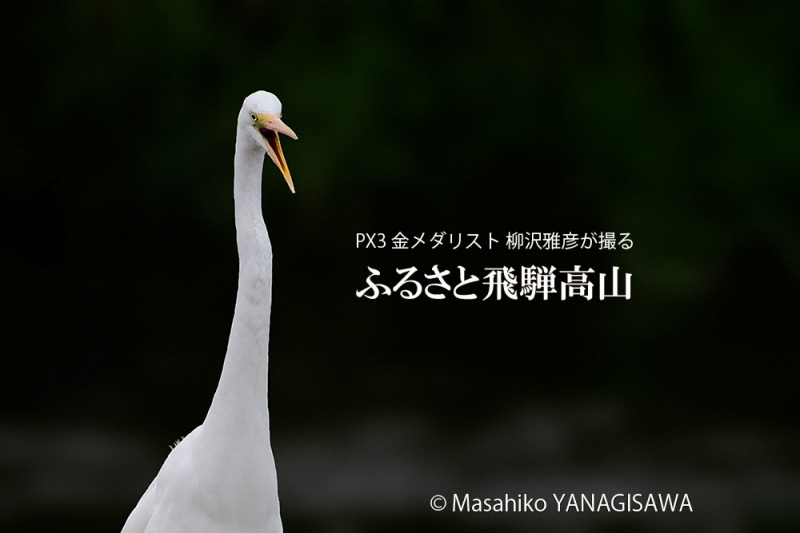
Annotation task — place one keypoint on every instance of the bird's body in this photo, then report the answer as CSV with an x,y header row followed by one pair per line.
x,y
221,477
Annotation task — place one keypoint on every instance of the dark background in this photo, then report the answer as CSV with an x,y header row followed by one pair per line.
x,y
676,122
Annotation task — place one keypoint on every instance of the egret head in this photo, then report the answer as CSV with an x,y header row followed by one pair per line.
x,y
261,118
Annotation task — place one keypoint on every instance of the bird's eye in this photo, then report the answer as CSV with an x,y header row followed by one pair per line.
x,y
253,116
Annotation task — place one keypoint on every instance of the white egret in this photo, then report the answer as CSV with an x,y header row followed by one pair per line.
x,y
221,477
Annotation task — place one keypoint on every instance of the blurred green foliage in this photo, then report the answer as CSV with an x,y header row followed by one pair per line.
x,y
676,122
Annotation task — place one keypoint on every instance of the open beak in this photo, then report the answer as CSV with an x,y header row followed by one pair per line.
x,y
269,126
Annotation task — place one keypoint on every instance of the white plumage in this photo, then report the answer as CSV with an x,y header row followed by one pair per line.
x,y
221,477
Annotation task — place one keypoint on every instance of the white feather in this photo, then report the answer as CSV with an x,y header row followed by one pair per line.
x,y
221,477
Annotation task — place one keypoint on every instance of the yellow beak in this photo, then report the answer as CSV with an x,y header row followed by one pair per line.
x,y
269,126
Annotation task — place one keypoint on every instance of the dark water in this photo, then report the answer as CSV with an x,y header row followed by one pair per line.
x,y
378,473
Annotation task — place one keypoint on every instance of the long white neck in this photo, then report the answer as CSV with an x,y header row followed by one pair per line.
x,y
240,402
